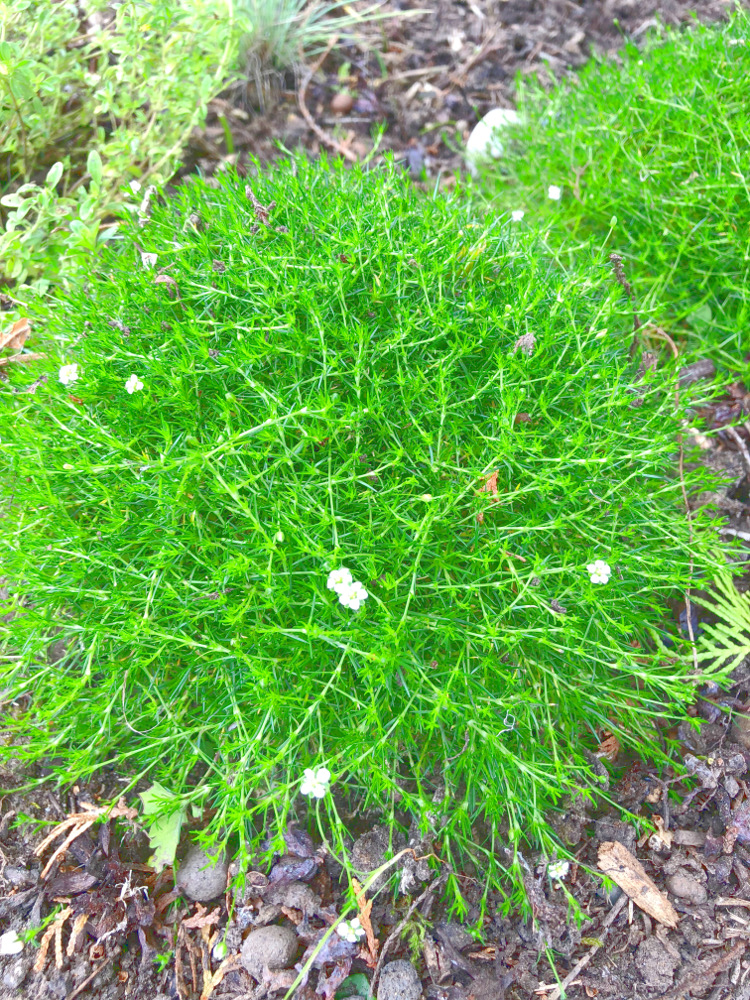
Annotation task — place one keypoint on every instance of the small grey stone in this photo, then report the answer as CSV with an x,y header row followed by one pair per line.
x,y
202,875
399,981
16,972
19,876
688,888
272,946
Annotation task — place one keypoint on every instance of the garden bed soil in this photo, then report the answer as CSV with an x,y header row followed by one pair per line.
x,y
428,78
437,73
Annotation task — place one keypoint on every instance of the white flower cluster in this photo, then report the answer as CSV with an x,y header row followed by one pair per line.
x,y
316,782
351,592
69,374
599,571
350,930
558,870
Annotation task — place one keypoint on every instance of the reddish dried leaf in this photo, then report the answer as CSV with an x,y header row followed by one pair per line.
x,y
365,908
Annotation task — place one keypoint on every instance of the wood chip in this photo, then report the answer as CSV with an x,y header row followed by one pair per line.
x,y
619,864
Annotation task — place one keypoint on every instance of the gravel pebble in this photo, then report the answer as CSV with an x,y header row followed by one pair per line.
x,y
271,946
399,981
202,875
688,888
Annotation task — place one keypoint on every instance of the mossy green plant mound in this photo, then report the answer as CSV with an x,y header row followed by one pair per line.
x,y
268,394
651,151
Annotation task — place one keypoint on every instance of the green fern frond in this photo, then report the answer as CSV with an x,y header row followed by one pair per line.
x,y
727,643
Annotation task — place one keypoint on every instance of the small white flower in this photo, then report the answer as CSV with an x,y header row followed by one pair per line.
x,y
558,870
427,497
316,782
149,259
68,374
11,944
350,930
279,536
517,214
133,384
599,571
340,579
554,192
353,596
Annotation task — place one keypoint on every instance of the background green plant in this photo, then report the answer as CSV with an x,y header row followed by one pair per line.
x,y
658,137
86,108
331,380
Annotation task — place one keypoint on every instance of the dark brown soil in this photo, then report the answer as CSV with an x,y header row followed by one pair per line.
x,y
428,79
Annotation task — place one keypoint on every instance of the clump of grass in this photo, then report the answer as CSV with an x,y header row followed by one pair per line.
x,y
325,370
276,35
659,138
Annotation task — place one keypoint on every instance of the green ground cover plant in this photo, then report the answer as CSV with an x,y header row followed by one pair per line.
x,y
88,106
337,497
659,138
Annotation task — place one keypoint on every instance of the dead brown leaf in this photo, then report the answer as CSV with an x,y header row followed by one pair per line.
x,y
618,863
365,908
609,747
15,338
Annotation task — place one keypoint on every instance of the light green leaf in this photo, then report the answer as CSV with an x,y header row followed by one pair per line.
x,y
94,166
54,174
355,985
164,813
701,317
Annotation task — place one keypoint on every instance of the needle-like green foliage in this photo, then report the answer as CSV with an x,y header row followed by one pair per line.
x,y
659,138
338,372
